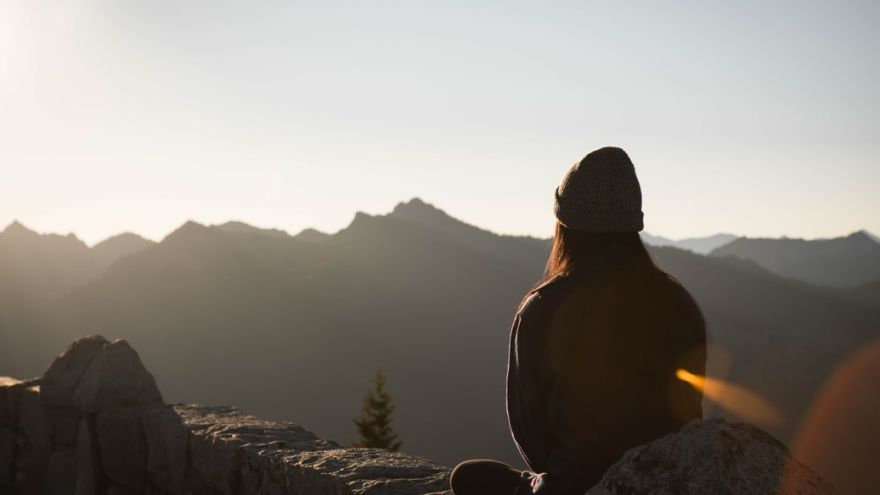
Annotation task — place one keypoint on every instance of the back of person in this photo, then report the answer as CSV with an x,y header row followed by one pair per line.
x,y
598,353
595,346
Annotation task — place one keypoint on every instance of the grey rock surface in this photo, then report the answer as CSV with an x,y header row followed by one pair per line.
x,y
61,472
36,438
711,456
167,443
88,473
7,460
115,377
6,384
123,447
64,374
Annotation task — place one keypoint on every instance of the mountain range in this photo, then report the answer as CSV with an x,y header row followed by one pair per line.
x,y
699,245
294,326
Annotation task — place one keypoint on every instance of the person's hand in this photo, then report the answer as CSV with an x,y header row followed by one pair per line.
x,y
538,484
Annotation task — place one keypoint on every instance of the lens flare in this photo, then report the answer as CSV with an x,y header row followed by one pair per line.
x,y
734,398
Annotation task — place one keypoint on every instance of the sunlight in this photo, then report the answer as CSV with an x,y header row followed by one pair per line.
x,y
734,398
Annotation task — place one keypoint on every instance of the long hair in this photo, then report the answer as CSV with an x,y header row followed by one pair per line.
x,y
575,251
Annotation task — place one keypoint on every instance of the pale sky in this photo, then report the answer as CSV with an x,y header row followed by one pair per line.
x,y
755,118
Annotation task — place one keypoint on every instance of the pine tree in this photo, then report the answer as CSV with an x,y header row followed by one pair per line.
x,y
374,423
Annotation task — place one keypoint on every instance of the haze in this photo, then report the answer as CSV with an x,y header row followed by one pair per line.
x,y
748,118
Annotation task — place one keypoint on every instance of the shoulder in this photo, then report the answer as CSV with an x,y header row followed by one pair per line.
x,y
676,299
546,292
542,302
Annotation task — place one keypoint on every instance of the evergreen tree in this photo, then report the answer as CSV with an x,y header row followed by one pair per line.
x,y
374,423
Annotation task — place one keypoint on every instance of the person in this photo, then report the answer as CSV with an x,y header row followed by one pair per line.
x,y
594,345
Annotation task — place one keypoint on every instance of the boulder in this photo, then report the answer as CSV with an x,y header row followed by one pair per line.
x,y
115,377
13,392
236,453
61,379
64,423
87,463
6,384
711,456
7,457
36,433
61,472
123,447
167,442
355,471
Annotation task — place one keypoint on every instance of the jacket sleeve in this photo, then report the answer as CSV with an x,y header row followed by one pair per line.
x,y
562,467
562,463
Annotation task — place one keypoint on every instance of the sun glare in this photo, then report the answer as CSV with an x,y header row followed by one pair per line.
x,y
734,398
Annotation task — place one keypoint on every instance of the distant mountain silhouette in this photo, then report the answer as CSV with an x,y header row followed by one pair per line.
x,y
312,235
700,245
868,294
872,236
294,326
839,262
119,246
243,228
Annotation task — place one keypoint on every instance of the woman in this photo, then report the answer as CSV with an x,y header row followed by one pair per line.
x,y
595,345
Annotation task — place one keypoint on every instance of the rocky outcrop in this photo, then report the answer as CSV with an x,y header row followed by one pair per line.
x,y
96,424
711,456
94,374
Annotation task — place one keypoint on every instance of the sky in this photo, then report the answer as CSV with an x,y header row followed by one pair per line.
x,y
754,118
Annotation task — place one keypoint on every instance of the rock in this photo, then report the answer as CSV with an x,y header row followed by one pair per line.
x,y
87,462
123,447
116,377
14,392
36,427
233,452
363,472
6,383
61,472
167,442
61,379
268,443
711,456
7,457
64,423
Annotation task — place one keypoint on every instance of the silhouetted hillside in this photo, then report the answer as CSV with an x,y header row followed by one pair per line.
x,y
699,245
839,262
119,246
294,326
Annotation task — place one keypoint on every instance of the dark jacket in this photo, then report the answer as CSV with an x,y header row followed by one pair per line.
x,y
591,371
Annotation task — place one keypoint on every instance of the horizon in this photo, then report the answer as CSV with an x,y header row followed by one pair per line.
x,y
750,118
92,243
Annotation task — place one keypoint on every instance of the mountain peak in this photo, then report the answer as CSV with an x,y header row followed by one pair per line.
x,y
414,204
238,227
17,228
189,227
416,210
863,235
312,235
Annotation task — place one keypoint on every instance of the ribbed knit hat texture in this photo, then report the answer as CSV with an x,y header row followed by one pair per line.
x,y
601,193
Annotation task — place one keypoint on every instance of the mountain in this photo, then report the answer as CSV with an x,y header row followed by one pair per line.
x,y
868,294
243,228
35,269
312,235
872,236
699,245
286,327
839,262
513,248
112,249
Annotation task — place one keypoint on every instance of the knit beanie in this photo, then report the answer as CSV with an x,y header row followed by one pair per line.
x,y
600,194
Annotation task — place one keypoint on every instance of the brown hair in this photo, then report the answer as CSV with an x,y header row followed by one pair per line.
x,y
574,251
